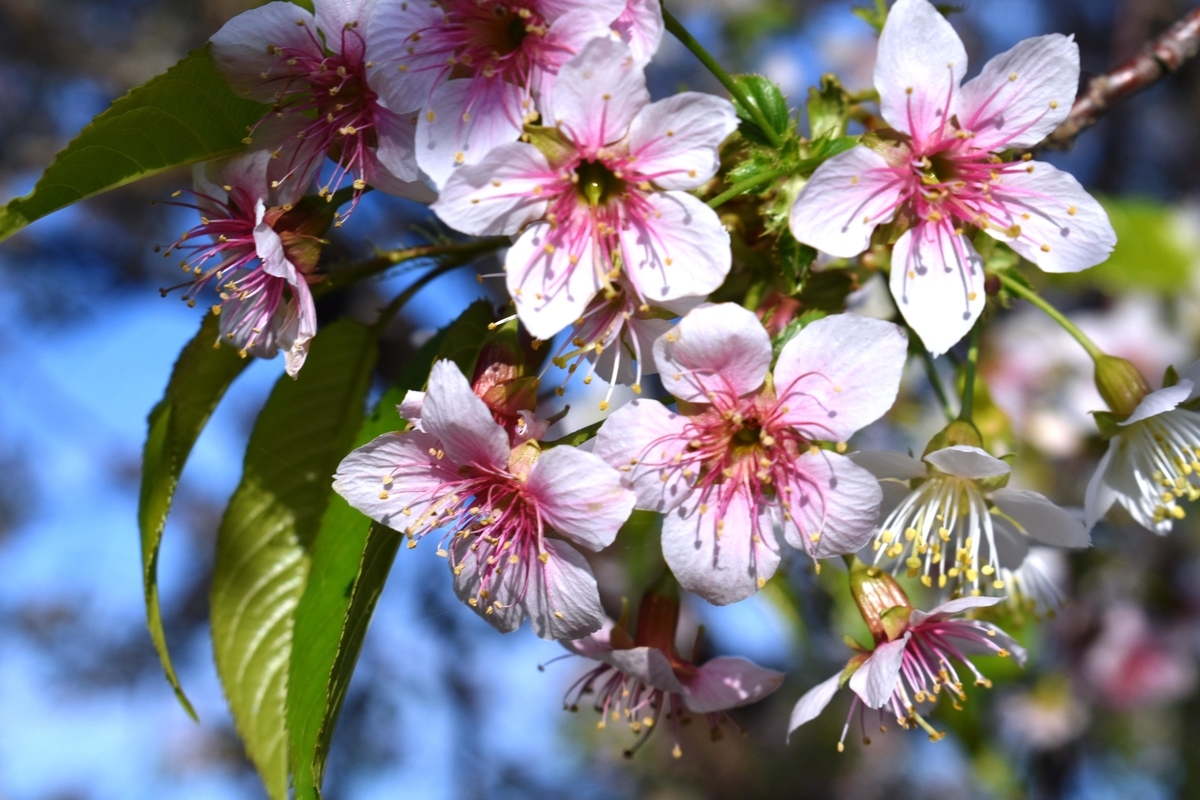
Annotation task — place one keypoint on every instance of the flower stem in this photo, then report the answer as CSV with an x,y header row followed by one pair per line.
x,y
681,33
744,186
968,395
1020,290
936,382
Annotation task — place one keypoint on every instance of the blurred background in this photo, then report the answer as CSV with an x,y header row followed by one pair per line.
x,y
441,706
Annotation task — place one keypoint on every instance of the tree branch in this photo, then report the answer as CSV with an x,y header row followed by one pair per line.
x,y
1160,57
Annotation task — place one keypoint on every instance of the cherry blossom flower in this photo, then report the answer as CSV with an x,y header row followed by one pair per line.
x,y
265,252
478,69
315,68
495,503
953,520
912,661
612,200
641,676
739,459
939,173
1154,461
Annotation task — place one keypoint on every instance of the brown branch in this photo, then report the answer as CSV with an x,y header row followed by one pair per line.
x,y
1159,58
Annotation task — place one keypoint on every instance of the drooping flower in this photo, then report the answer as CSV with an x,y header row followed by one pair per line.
x,y
939,174
641,675
495,501
912,659
478,70
739,460
1153,458
259,252
953,520
315,69
611,201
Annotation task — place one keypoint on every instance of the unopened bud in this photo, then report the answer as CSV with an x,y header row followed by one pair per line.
x,y
1120,384
958,432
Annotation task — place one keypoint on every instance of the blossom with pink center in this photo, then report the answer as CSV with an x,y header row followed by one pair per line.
x,y
315,68
942,174
495,504
911,664
263,258
610,201
641,676
739,460
478,70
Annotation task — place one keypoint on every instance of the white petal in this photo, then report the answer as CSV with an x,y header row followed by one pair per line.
x,y
597,94
937,282
566,604
919,65
648,665
889,464
1022,94
454,414
414,473
640,25
678,249
845,199
813,702
840,374
675,142
951,608
875,680
1161,401
402,79
507,609
647,433
838,500
728,682
963,461
1041,519
580,496
723,570
336,16
550,291
240,48
1061,227
396,144
1100,494
410,408
295,340
721,348
497,196
465,120
1011,544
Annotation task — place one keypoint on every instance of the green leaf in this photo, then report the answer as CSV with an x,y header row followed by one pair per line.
x,y
764,94
198,382
351,559
186,115
795,260
263,545
828,109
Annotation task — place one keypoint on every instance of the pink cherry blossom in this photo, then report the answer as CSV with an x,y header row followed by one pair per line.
x,y
611,202
739,457
913,667
315,68
478,69
945,175
495,502
265,303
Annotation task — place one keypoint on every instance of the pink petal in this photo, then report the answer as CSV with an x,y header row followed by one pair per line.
x,y
334,16
838,500
679,248
565,603
269,248
580,496
597,95
937,282
389,39
964,461
641,26
456,416
240,48
840,374
845,199
1059,226
720,348
727,682
1041,519
724,570
607,10
813,702
875,680
675,142
1161,401
641,439
594,646
410,408
498,196
396,135
919,65
950,609
299,330
569,33
505,600
1022,94
464,121
551,292
648,665
359,478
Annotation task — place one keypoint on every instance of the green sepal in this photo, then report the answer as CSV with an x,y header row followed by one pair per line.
x,y
895,621
1170,377
828,109
1108,423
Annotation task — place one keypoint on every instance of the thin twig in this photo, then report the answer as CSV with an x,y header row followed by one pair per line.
x,y
1160,57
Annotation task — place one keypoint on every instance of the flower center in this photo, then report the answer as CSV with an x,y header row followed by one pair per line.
x,y
597,184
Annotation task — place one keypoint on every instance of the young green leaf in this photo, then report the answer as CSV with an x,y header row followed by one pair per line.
x,y
765,95
351,559
305,428
198,382
828,109
186,115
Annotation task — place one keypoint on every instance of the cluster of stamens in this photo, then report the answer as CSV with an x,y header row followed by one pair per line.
x,y
1170,445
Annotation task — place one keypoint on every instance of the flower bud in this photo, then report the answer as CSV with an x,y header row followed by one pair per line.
x,y
958,432
1120,384
883,604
